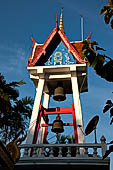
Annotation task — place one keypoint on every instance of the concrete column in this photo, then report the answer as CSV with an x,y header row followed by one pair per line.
x,y
35,112
42,129
77,105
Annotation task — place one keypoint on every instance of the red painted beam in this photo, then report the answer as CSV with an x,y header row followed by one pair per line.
x,y
75,126
45,135
37,128
65,110
64,124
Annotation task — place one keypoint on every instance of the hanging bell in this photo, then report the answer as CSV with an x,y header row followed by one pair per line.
x,y
57,126
59,93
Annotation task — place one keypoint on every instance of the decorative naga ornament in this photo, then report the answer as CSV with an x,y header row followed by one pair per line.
x,y
59,92
13,149
57,125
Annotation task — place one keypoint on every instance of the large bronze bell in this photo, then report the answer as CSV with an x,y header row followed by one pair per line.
x,y
57,126
59,93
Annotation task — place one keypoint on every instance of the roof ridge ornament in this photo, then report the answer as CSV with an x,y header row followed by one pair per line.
x,y
61,26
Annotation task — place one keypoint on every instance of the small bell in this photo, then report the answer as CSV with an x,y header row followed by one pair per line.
x,y
57,125
59,93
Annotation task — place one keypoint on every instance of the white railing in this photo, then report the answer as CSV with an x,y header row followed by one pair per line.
x,y
63,150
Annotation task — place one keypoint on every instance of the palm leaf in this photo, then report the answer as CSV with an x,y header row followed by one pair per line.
x,y
112,23
105,8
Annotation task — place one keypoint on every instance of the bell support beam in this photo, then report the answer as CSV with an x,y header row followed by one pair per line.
x,y
35,112
64,124
65,110
64,69
77,106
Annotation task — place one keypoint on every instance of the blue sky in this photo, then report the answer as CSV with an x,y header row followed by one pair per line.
x,y
21,18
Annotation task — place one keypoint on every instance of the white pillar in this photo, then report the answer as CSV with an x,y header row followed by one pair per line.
x,y
37,102
42,129
77,105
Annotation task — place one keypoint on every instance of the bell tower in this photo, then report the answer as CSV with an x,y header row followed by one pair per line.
x,y
57,69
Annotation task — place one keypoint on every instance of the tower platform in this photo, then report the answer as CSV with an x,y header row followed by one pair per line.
x,y
57,156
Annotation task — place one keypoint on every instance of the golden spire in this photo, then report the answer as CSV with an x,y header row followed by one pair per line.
x,y
61,26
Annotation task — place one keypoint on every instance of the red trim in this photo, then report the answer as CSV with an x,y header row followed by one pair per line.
x,y
74,123
65,110
30,57
68,124
44,46
33,41
45,135
45,125
64,124
37,128
70,48
66,42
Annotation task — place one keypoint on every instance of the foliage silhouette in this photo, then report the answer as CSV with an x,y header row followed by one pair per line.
x,y
14,113
108,13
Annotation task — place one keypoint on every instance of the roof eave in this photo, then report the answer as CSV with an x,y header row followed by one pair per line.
x,y
42,50
70,48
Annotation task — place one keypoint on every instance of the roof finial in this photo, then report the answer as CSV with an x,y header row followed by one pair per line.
x,y
82,28
56,19
61,26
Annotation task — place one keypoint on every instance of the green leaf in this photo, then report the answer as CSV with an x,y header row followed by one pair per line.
x,y
108,71
109,102
107,19
21,82
104,9
106,108
111,121
94,43
111,23
110,142
111,112
94,63
15,83
99,48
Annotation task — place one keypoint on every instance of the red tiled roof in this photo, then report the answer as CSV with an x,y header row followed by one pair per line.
x,y
78,46
39,50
